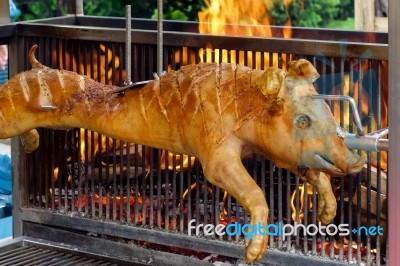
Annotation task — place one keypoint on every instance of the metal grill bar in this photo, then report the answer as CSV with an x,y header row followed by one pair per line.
x,y
28,255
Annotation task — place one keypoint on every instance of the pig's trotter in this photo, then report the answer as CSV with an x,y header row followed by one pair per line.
x,y
326,199
30,140
327,207
225,170
257,245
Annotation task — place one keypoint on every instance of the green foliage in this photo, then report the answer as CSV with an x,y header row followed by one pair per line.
x,y
314,14
172,9
181,9
36,10
140,8
346,24
303,13
103,8
346,9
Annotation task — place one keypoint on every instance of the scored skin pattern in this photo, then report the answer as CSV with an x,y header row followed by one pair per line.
x,y
198,96
198,90
204,89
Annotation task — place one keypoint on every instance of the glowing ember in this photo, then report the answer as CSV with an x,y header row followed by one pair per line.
x,y
347,247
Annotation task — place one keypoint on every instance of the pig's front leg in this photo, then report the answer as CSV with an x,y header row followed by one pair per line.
x,y
326,199
224,169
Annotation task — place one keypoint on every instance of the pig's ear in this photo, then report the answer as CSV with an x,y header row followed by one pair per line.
x,y
302,70
273,86
272,83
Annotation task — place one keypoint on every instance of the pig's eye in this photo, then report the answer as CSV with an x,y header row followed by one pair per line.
x,y
303,121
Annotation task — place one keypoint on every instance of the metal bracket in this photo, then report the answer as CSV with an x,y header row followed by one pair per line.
x,y
353,106
370,142
158,76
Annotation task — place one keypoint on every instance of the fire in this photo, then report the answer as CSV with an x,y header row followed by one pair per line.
x,y
93,148
99,143
242,18
67,58
179,160
300,212
55,174
95,143
223,16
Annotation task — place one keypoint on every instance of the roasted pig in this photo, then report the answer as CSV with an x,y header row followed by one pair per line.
x,y
216,112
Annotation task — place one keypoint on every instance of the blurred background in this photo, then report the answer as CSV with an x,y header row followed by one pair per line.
x,y
305,13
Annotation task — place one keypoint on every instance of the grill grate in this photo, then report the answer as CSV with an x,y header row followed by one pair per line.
x,y
40,256
27,253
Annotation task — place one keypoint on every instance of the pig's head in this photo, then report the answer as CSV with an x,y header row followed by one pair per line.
x,y
301,132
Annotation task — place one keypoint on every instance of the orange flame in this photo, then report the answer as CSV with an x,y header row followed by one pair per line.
x,y
82,64
300,212
243,18
224,16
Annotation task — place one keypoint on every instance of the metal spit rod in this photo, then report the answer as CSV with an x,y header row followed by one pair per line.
x,y
128,44
128,49
353,106
370,142
160,37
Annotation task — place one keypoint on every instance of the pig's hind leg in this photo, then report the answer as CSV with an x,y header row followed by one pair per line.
x,y
224,169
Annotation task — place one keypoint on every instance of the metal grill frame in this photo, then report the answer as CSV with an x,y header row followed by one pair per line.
x,y
51,27
29,251
80,249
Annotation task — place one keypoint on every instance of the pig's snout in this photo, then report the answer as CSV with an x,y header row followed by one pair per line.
x,y
349,163
356,165
340,164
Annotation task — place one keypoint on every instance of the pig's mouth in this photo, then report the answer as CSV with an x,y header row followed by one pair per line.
x,y
326,165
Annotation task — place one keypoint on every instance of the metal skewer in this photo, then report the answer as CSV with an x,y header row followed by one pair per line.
x,y
160,38
369,142
128,52
48,107
353,106
128,45
130,86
